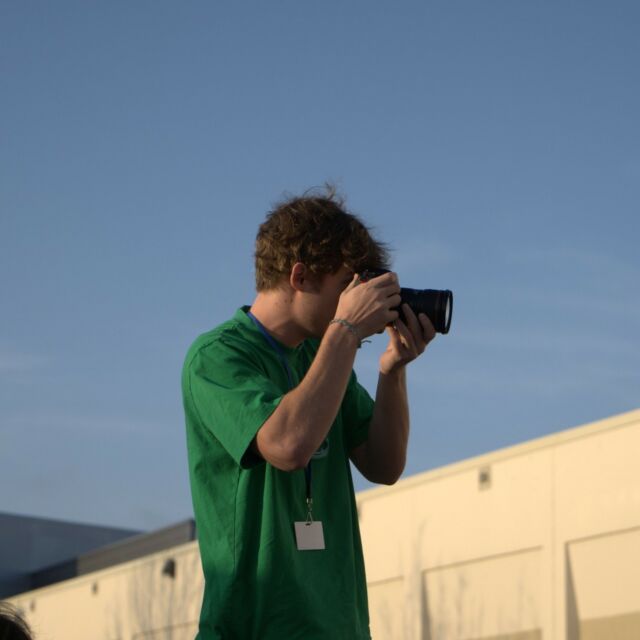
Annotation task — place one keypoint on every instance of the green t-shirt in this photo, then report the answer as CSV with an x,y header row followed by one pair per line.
x,y
257,583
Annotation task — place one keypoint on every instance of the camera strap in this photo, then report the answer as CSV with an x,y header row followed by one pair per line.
x,y
309,534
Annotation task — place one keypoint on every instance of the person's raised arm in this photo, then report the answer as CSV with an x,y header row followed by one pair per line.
x,y
302,420
381,458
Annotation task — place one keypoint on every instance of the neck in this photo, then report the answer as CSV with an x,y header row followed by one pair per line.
x,y
273,309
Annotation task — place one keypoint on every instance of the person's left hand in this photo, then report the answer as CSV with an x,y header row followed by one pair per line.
x,y
407,341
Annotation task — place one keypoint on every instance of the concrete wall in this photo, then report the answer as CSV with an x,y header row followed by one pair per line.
x,y
541,540
138,600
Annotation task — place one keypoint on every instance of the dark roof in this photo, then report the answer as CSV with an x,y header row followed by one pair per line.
x,y
28,544
136,546
36,552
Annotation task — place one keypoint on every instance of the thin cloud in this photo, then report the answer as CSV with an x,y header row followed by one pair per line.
x,y
528,381
569,342
577,260
12,363
595,285
412,255
78,424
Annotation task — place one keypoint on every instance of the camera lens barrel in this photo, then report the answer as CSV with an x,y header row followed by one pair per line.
x,y
435,303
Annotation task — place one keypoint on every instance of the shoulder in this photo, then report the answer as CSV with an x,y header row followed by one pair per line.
x,y
229,339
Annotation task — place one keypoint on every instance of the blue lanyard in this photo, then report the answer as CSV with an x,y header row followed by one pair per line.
x,y
275,346
283,359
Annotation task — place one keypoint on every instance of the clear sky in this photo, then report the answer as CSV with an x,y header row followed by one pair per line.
x,y
494,144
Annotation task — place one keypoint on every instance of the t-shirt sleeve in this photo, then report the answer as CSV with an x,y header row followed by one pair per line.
x,y
232,397
357,410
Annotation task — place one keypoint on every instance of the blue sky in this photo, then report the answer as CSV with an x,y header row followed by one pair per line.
x,y
495,145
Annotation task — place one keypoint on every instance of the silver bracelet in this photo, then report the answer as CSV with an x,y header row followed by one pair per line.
x,y
348,325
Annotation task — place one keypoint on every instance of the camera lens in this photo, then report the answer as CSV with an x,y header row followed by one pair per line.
x,y
436,304
447,311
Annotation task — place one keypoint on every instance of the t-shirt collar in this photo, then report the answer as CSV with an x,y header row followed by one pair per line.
x,y
242,317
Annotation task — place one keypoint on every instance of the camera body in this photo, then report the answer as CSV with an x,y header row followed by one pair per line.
x,y
436,304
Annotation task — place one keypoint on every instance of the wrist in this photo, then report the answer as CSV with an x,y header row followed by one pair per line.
x,y
349,328
392,370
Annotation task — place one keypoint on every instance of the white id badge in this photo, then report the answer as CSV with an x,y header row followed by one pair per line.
x,y
309,536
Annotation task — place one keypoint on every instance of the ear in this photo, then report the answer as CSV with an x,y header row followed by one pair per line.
x,y
299,277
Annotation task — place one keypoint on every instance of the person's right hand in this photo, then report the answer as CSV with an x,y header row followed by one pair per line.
x,y
368,305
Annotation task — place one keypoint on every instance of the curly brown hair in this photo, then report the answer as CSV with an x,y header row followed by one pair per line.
x,y
316,230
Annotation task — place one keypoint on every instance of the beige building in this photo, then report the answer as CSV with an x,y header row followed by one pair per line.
x,y
539,540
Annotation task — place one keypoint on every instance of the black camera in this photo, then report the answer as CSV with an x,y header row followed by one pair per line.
x,y
436,304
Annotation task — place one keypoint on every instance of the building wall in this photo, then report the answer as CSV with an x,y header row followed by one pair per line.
x,y
136,600
541,540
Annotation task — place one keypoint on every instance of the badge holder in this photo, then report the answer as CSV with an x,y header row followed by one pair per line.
x,y
309,534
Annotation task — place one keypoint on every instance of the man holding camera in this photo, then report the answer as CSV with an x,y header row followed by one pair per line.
x,y
274,413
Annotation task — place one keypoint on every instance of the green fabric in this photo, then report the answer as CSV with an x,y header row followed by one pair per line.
x,y
257,584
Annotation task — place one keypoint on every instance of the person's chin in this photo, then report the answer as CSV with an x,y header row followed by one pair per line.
x,y
317,335
319,332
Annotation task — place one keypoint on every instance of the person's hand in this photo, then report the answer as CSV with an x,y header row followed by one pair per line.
x,y
407,341
368,305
